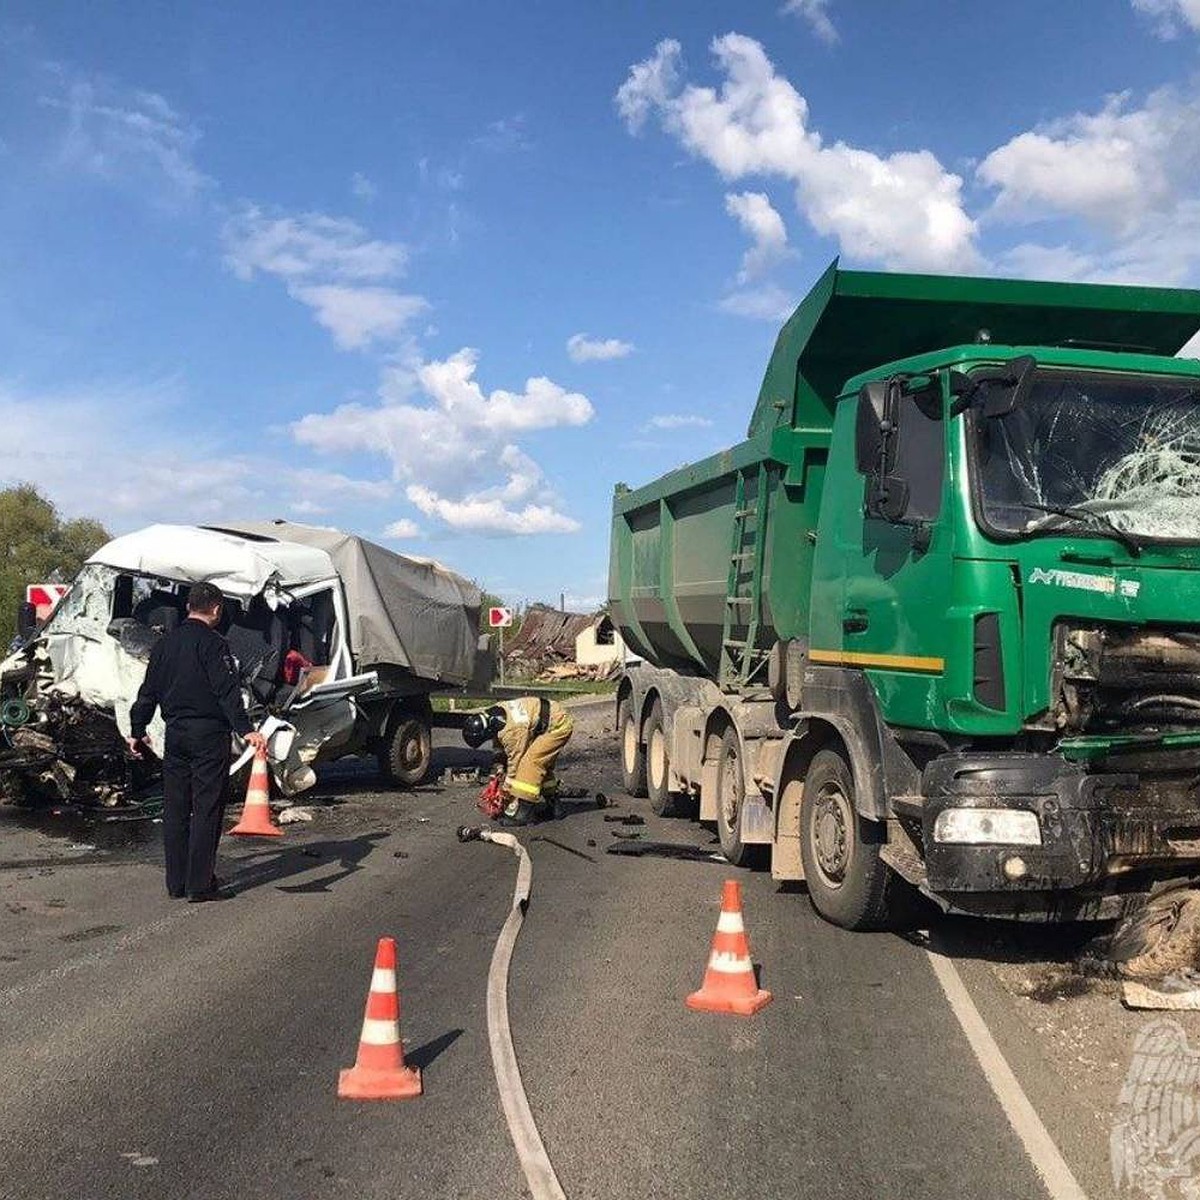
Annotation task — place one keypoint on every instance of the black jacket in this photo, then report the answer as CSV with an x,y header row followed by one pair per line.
x,y
192,678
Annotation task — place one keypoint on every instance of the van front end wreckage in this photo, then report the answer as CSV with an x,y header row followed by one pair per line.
x,y
339,645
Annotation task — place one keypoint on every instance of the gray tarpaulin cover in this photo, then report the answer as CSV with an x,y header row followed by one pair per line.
x,y
406,612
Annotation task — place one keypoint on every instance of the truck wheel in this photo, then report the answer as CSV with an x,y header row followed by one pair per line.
x,y
406,752
658,765
731,791
848,882
633,753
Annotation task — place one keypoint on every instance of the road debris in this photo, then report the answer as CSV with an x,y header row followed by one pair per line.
x,y
1161,939
626,819
666,850
563,846
628,837
289,816
1176,993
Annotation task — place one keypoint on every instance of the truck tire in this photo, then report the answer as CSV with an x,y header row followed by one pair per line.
x,y
633,753
658,765
731,791
848,883
406,752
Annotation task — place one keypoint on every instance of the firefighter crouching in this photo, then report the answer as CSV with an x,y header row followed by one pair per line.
x,y
530,734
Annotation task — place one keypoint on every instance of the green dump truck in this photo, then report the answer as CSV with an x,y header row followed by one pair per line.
x,y
936,623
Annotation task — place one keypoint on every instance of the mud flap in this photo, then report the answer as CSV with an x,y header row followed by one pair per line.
x,y
756,826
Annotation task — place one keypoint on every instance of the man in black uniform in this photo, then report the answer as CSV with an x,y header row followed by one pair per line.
x,y
192,678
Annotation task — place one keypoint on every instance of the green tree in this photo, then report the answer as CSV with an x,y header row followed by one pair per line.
x,y
36,546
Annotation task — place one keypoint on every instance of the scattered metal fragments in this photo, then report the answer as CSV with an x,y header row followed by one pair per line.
x,y
666,850
563,846
626,819
574,793
629,837
1161,939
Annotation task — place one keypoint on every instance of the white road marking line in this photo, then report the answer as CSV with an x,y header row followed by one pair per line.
x,y
535,1162
1045,1156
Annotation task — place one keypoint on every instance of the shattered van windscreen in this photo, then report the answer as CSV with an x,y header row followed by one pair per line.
x,y
1124,448
87,607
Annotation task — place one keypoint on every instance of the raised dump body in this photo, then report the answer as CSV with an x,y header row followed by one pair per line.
x,y
720,552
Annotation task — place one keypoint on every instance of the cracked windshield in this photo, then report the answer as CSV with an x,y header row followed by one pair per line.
x,y
1120,451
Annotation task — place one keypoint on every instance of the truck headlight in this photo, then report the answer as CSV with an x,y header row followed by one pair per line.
x,y
987,827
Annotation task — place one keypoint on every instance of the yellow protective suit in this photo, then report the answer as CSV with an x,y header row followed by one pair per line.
x,y
531,753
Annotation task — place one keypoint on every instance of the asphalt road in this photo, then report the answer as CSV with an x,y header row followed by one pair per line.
x,y
151,1048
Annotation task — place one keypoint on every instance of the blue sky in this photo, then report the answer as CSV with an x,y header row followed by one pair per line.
x,y
442,273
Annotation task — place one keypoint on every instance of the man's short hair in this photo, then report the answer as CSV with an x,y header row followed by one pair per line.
x,y
204,597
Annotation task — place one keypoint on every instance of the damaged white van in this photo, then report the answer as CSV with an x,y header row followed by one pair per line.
x,y
339,643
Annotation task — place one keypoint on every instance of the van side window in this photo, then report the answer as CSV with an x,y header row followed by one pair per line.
x,y
921,454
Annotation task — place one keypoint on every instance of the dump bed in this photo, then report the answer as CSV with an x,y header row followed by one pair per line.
x,y
719,554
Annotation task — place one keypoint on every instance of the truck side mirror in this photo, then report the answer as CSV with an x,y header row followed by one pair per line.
x,y
26,621
868,426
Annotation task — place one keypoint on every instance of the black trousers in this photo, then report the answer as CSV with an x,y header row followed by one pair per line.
x,y
195,788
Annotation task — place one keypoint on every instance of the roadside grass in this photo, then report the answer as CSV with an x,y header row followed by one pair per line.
x,y
457,703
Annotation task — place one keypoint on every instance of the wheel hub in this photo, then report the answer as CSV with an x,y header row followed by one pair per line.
x,y
831,833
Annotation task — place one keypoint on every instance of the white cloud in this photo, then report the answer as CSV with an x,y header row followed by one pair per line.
x,y
1111,167
121,472
402,530
362,187
475,515
127,137
756,215
331,485
308,246
678,421
582,348
1170,15
766,303
816,13
358,316
454,443
904,210
155,464
1129,173
330,264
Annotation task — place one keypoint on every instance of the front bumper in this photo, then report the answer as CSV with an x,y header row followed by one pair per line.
x,y
1105,839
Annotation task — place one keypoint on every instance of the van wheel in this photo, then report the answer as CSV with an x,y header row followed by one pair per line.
x,y
633,753
849,884
658,765
731,792
406,753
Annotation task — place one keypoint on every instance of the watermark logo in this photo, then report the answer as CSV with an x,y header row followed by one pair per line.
x,y
1155,1140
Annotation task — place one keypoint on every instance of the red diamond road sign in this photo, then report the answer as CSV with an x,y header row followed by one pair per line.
x,y
44,596
500,618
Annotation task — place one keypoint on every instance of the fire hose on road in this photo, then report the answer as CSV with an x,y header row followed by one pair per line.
x,y
539,1172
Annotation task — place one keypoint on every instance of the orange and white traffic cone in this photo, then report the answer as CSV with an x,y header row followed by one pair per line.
x,y
379,1072
256,813
729,982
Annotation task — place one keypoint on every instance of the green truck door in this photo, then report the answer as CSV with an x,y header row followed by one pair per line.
x,y
894,593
